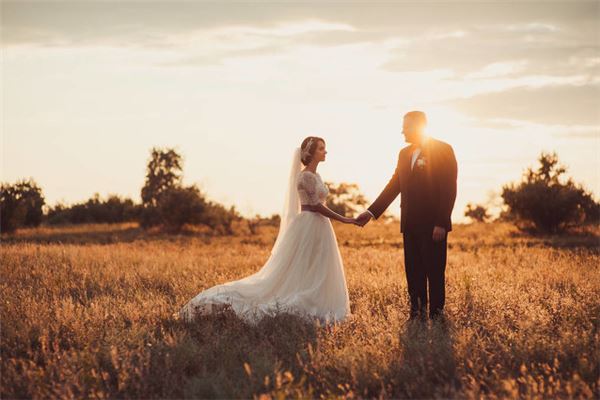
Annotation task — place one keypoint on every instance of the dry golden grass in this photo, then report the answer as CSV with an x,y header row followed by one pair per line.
x,y
86,312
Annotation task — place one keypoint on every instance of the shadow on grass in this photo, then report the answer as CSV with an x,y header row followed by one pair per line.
x,y
221,356
425,366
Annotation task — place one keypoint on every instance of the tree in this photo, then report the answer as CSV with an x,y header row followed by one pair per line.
x,y
20,205
163,172
547,201
345,198
477,212
166,202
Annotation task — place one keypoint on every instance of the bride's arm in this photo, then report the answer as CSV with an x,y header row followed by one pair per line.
x,y
329,213
307,185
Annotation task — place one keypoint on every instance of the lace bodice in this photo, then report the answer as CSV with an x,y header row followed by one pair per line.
x,y
311,188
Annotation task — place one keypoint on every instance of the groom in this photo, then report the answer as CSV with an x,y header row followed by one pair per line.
x,y
425,176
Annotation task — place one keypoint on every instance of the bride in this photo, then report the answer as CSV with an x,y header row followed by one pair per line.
x,y
304,274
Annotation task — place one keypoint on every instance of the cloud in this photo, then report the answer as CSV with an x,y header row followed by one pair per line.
x,y
466,42
212,47
151,23
217,58
505,50
551,105
588,133
475,39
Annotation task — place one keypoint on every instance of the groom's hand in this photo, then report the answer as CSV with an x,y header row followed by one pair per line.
x,y
363,218
438,233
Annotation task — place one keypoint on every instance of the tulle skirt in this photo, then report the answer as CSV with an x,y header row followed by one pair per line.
x,y
303,276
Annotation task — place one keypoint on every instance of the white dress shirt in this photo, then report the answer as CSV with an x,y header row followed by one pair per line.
x,y
415,155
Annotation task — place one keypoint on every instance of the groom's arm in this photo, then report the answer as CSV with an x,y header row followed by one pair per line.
x,y
447,182
388,194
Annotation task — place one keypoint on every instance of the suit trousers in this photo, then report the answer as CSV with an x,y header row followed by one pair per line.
x,y
425,263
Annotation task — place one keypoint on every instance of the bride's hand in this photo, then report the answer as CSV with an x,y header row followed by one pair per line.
x,y
352,221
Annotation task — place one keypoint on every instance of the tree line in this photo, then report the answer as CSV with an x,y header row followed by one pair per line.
x,y
166,203
543,201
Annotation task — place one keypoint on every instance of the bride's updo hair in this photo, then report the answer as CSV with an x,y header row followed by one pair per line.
x,y
308,152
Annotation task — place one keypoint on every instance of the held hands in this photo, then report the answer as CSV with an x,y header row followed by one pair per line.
x,y
350,221
438,232
363,219
358,221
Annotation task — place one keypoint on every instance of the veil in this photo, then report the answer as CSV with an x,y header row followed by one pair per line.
x,y
291,205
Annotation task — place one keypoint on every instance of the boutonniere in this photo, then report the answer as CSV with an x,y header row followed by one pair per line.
x,y
421,162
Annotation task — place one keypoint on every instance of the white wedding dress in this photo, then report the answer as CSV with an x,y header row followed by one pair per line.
x,y
304,274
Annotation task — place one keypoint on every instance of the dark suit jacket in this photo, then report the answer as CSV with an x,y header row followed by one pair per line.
x,y
427,192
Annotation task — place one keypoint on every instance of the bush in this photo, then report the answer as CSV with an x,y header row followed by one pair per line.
x,y
95,210
220,218
20,205
477,212
548,202
180,205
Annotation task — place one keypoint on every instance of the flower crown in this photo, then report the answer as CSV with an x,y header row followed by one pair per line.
x,y
306,151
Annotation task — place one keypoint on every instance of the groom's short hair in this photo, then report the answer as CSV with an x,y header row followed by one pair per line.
x,y
417,116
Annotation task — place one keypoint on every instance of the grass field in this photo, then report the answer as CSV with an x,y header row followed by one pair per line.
x,y
87,312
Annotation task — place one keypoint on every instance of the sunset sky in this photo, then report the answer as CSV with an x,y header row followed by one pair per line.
x,y
88,88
